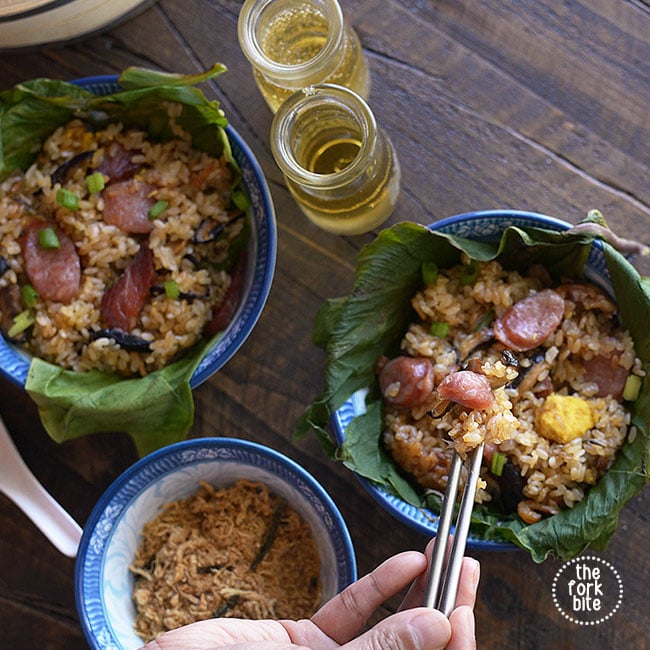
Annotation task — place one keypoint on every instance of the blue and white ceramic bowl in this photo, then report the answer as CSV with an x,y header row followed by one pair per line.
x,y
485,226
262,246
103,582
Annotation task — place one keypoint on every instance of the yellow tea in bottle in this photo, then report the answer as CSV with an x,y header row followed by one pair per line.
x,y
339,166
292,44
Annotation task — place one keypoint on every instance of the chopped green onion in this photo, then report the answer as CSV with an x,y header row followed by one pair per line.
x,y
429,272
469,273
439,329
29,294
20,323
67,199
157,209
239,199
497,463
171,289
95,182
47,238
632,388
484,321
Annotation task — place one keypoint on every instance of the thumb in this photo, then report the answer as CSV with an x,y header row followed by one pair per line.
x,y
412,629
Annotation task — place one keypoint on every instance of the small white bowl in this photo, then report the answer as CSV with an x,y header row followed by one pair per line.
x,y
29,25
103,582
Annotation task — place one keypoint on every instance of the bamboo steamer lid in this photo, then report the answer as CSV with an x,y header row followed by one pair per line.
x,y
31,23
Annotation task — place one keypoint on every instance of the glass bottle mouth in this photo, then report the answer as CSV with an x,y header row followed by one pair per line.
x,y
254,14
305,115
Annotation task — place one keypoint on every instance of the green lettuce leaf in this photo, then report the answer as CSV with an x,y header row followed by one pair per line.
x,y
356,329
73,404
157,409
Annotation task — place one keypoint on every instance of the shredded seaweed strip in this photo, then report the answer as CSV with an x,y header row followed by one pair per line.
x,y
271,534
226,607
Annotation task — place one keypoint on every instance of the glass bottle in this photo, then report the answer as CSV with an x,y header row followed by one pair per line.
x,y
340,167
292,44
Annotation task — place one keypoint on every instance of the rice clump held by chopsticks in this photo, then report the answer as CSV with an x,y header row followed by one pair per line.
x,y
238,551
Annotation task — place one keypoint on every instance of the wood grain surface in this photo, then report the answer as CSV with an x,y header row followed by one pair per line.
x,y
523,104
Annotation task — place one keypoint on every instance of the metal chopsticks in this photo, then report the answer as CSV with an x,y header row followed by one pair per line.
x,y
447,557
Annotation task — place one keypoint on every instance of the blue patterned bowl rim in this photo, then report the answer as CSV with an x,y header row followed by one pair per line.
x,y
111,509
486,225
262,247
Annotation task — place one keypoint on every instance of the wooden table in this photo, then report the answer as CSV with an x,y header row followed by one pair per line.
x,y
526,104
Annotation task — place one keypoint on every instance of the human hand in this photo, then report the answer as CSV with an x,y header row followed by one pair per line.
x,y
341,621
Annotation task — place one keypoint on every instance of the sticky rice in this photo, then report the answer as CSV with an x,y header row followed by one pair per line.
x,y
195,189
553,475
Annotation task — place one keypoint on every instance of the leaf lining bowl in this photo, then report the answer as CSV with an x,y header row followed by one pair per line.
x,y
103,582
599,260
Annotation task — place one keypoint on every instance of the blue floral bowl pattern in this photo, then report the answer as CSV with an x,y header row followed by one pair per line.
x,y
485,226
262,248
103,582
